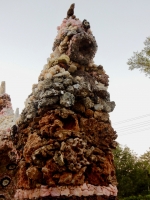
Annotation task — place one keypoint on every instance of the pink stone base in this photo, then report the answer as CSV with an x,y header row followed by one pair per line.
x,y
67,191
94,197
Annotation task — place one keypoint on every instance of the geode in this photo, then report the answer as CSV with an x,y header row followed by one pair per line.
x,y
82,48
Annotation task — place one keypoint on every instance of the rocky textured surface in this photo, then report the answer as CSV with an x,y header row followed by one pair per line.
x,y
64,136
8,153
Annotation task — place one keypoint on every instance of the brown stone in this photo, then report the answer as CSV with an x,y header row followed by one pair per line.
x,y
45,129
62,134
22,179
34,173
89,113
45,120
101,116
95,176
65,178
78,178
50,167
33,143
79,107
36,119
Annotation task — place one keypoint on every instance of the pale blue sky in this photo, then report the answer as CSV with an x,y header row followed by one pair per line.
x,y
27,32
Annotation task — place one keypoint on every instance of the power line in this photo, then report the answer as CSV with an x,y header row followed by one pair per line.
x,y
134,126
134,132
131,119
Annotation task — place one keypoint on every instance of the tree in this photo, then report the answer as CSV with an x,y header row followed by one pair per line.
x,y
141,60
145,161
125,164
131,172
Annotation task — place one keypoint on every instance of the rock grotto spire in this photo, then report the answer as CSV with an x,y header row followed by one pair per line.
x,y
64,138
2,87
8,153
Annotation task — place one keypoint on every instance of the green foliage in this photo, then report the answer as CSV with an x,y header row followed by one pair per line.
x,y
146,197
133,173
141,60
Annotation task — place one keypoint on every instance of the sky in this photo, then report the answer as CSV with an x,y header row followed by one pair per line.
x,y
27,32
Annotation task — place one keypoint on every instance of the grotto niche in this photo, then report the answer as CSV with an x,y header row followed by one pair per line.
x,y
63,137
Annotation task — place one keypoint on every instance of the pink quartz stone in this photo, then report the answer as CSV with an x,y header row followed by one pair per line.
x,y
98,190
84,186
85,193
76,191
114,190
35,193
65,192
44,191
8,129
16,195
55,192
20,194
25,194
29,195
109,189
91,187
111,186
105,191
91,192
64,20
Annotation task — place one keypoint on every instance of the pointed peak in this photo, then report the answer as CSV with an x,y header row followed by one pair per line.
x,y
70,12
2,87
